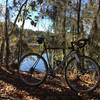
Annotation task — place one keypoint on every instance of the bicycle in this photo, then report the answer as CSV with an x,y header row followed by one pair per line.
x,y
82,73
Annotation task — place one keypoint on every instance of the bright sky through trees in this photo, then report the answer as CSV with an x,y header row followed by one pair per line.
x,y
42,25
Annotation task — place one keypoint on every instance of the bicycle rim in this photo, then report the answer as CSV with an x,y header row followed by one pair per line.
x,y
33,69
84,79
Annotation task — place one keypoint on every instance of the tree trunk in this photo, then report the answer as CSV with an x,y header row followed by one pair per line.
x,y
6,36
21,42
60,26
78,17
2,51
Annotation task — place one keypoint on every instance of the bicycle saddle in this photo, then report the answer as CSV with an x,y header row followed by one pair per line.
x,y
40,40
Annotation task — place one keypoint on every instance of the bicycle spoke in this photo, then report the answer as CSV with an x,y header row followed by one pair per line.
x,y
33,69
82,78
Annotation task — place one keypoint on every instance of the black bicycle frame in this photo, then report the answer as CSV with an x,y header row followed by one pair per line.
x,y
73,54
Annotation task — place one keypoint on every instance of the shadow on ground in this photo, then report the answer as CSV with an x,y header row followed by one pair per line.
x,y
47,91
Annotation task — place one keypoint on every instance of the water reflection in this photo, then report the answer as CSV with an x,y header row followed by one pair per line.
x,y
33,62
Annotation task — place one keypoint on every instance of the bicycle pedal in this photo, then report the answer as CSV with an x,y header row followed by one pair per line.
x,y
50,77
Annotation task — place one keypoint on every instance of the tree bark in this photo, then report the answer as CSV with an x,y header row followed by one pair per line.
x,y
78,16
6,35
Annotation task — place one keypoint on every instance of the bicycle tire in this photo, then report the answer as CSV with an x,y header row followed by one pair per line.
x,y
34,72
79,83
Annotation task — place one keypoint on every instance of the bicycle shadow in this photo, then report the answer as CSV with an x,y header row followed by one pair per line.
x,y
47,91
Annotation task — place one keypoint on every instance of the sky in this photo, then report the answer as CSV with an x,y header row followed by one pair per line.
x,y
42,24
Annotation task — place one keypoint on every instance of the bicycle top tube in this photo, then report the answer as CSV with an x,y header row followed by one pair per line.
x,y
79,44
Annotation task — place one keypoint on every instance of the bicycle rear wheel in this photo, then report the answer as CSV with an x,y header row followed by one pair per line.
x,y
33,69
83,77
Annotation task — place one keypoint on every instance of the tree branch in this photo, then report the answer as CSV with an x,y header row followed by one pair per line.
x,y
98,8
17,17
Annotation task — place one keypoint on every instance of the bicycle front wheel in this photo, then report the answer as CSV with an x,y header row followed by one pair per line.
x,y
33,69
83,77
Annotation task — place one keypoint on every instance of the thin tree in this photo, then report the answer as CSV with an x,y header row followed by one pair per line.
x,y
5,40
78,16
6,35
